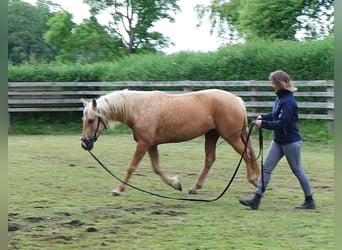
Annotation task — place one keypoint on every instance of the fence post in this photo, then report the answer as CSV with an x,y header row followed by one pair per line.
x,y
330,112
254,98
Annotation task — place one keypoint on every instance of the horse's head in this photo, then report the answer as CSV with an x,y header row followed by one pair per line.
x,y
93,124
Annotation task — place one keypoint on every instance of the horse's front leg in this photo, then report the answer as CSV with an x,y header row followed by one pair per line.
x,y
138,155
173,182
211,138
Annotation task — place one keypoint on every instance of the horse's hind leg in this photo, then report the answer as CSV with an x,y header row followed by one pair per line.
x,y
173,182
253,171
211,138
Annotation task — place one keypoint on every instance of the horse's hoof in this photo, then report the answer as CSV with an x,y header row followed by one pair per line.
x,y
175,184
116,192
192,191
179,187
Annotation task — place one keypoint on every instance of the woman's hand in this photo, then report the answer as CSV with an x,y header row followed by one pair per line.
x,y
258,121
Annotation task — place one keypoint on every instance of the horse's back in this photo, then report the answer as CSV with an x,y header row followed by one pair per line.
x,y
209,100
217,105
219,94
223,100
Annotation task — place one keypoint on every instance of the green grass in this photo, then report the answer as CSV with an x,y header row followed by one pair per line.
x,y
58,198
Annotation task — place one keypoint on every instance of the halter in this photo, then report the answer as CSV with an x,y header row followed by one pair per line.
x,y
89,141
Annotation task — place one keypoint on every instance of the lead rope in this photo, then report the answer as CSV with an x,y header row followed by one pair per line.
x,y
261,147
188,199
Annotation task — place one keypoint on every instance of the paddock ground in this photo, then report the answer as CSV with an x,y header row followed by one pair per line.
x,y
58,198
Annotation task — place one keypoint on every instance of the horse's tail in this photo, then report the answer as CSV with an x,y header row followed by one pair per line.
x,y
245,133
244,129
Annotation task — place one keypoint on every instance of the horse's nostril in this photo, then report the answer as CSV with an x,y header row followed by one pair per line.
x,y
87,143
86,140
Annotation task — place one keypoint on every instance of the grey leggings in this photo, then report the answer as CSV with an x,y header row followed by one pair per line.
x,y
292,152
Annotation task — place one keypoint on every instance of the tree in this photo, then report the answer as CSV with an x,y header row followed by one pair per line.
x,y
86,42
132,21
272,19
26,26
59,34
92,42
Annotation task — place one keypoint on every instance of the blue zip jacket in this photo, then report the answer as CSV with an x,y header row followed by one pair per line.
x,y
283,118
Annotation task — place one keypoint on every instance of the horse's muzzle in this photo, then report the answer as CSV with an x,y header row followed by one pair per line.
x,y
88,143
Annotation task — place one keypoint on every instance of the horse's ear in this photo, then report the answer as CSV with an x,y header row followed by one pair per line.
x,y
85,102
94,104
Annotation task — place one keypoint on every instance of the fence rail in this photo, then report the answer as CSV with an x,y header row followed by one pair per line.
x,y
315,98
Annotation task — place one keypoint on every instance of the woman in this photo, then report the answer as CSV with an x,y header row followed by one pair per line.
x,y
286,141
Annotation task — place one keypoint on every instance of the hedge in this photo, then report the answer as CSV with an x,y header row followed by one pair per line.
x,y
309,60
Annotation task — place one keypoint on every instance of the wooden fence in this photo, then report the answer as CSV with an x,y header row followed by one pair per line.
x,y
315,98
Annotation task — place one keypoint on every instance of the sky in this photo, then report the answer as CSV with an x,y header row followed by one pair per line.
x,y
184,33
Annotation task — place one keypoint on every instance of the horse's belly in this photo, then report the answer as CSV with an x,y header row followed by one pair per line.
x,y
183,130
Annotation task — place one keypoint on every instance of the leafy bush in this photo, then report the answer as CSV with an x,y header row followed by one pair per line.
x,y
251,61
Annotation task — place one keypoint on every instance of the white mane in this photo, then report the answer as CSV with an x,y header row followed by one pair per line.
x,y
115,106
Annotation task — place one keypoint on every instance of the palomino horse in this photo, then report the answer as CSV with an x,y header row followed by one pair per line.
x,y
156,117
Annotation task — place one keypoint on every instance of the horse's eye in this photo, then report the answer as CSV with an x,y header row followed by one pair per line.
x,y
91,121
